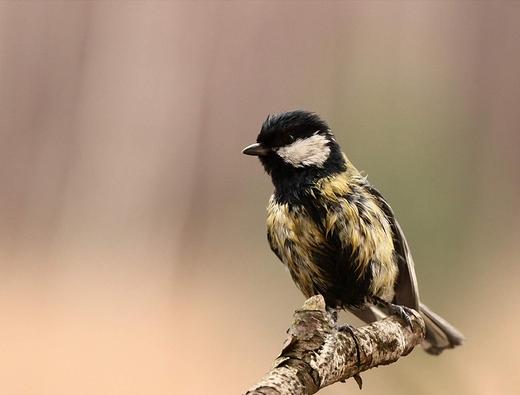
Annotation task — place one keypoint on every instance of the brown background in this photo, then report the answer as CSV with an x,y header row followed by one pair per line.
x,y
133,257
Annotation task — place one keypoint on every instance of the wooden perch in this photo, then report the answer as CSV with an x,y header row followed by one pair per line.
x,y
316,354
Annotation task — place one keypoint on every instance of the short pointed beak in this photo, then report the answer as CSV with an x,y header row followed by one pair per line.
x,y
255,149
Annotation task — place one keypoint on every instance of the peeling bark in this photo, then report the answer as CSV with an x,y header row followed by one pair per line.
x,y
317,354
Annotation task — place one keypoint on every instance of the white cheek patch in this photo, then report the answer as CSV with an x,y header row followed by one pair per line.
x,y
312,151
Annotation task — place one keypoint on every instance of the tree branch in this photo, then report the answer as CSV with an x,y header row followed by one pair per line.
x,y
316,354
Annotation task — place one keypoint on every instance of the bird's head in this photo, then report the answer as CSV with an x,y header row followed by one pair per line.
x,y
297,145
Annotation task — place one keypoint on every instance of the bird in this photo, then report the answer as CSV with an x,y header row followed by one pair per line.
x,y
334,232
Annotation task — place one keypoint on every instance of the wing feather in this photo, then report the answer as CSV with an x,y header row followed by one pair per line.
x,y
406,289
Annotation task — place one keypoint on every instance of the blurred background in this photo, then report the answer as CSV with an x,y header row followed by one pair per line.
x,y
133,255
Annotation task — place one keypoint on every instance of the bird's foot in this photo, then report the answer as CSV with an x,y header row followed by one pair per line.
x,y
401,311
395,309
350,329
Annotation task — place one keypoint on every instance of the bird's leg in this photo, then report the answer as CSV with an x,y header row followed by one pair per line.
x,y
334,314
394,309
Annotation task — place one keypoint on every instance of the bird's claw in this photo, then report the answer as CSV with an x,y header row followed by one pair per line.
x,y
401,311
350,329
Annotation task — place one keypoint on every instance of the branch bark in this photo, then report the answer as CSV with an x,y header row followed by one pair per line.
x,y
316,354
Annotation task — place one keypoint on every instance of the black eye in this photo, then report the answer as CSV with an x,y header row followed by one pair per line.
x,y
288,139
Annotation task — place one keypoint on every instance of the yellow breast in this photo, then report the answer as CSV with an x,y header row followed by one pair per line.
x,y
360,224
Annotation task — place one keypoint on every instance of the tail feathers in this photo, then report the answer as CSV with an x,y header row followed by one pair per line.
x,y
440,335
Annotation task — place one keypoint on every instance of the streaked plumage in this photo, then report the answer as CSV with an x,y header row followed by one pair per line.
x,y
333,230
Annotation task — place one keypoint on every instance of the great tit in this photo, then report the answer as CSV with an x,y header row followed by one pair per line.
x,y
334,231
